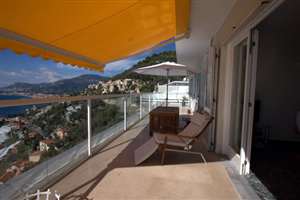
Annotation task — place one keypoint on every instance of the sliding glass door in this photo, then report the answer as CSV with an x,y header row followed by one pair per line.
x,y
242,78
238,95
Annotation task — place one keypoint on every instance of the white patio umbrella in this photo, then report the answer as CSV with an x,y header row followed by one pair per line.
x,y
164,69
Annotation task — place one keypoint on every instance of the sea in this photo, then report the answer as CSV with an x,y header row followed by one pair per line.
x,y
10,112
13,111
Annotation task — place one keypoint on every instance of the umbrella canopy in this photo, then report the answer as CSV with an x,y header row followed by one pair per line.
x,y
164,69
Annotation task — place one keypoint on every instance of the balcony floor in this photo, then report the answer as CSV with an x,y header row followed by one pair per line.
x,y
104,168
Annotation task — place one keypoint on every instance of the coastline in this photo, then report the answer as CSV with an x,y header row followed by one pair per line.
x,y
12,111
25,95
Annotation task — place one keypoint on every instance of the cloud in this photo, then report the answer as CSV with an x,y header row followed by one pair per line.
x,y
120,66
39,75
49,75
63,66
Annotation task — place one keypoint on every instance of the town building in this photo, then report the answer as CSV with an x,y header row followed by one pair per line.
x,y
61,133
35,156
45,144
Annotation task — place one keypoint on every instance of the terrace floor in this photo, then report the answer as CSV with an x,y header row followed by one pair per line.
x,y
113,167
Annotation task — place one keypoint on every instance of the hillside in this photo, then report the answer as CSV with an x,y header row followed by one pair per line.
x,y
64,86
150,60
129,81
94,84
150,81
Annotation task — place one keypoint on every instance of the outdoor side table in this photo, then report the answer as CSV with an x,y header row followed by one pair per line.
x,y
164,120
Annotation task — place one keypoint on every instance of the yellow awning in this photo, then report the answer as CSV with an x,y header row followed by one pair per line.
x,y
90,33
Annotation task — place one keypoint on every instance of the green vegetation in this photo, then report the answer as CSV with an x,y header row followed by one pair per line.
x,y
45,121
150,60
150,81
142,83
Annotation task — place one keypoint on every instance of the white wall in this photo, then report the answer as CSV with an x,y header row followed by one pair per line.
x,y
207,16
278,75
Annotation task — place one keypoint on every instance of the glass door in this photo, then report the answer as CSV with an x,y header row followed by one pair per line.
x,y
243,73
238,95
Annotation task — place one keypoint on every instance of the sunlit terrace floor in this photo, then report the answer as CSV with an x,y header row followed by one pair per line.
x,y
114,165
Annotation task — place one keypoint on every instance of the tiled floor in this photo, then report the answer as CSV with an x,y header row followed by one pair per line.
x,y
120,154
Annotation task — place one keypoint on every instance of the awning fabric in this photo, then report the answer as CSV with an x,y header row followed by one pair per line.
x,y
90,33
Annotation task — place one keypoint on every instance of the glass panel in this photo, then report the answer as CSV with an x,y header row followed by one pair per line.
x,y
133,109
107,120
238,88
145,104
43,141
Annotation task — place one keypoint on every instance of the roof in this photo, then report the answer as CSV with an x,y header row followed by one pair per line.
x,y
47,141
90,33
36,153
6,176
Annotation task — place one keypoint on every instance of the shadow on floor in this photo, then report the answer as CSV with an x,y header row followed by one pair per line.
x,y
126,159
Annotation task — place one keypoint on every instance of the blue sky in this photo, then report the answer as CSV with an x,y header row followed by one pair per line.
x,y
23,68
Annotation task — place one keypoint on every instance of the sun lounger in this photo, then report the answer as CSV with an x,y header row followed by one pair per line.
x,y
181,142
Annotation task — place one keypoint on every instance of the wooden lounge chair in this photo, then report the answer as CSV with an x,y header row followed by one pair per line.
x,y
181,142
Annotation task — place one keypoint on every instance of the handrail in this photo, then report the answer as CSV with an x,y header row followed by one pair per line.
x,y
56,99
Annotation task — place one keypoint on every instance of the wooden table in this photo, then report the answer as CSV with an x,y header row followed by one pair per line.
x,y
164,120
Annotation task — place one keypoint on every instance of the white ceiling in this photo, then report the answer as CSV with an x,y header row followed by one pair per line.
x,y
207,16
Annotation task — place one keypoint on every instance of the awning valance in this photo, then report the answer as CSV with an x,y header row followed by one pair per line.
x,y
90,33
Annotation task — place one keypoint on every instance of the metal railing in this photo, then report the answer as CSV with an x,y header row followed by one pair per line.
x,y
42,195
130,109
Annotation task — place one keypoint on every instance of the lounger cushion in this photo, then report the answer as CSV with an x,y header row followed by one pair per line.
x,y
192,130
200,118
198,122
172,140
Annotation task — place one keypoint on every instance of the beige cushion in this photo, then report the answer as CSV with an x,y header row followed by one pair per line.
x,y
198,122
172,140
199,118
192,130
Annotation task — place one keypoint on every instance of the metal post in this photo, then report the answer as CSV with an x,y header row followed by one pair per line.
x,y
125,114
141,111
48,193
38,195
168,81
149,107
89,126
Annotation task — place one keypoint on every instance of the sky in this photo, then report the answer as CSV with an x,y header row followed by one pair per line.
x,y
23,68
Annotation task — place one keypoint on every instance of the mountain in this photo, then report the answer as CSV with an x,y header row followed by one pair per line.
x,y
64,86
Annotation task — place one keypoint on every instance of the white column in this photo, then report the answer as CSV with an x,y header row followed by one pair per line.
x,y
89,126
141,108
125,114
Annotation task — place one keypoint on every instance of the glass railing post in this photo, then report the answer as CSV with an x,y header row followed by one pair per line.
x,y
89,126
149,101
141,108
125,113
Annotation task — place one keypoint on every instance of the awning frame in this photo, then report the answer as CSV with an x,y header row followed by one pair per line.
x,y
46,47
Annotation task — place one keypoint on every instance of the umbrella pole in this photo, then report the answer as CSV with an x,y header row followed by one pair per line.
x,y
167,88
